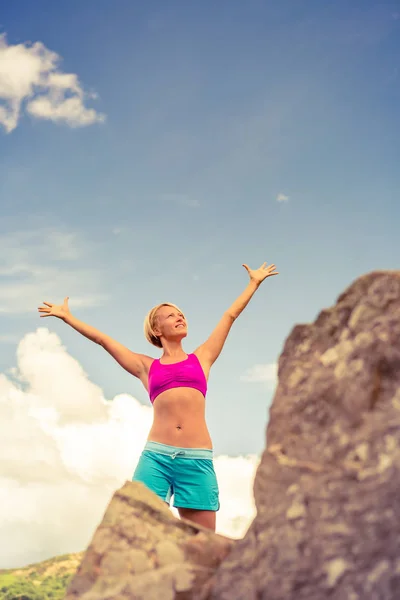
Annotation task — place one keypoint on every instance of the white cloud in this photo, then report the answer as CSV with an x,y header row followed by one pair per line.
x,y
262,374
35,266
30,78
66,449
282,198
235,479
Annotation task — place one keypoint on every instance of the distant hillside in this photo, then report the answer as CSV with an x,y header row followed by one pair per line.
x,y
43,581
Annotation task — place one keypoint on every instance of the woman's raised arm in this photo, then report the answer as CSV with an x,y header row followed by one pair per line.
x,y
212,347
136,364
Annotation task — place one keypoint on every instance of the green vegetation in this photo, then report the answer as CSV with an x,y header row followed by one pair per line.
x,y
47,580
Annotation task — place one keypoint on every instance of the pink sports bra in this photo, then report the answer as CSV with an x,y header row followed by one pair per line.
x,y
186,373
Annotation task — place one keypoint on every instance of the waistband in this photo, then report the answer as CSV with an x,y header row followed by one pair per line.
x,y
174,451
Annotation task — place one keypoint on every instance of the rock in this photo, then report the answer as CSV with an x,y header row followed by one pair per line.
x,y
142,551
327,488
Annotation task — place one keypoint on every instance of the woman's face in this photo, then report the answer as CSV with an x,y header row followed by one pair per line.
x,y
170,323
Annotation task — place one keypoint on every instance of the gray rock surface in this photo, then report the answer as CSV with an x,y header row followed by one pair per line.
x,y
327,490
140,551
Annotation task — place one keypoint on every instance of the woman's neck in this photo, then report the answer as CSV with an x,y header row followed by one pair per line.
x,y
173,350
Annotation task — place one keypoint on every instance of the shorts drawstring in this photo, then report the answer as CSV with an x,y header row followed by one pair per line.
x,y
175,454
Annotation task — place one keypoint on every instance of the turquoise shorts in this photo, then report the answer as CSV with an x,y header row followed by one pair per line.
x,y
186,473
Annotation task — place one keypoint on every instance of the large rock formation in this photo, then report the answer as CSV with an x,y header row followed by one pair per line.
x,y
141,551
326,491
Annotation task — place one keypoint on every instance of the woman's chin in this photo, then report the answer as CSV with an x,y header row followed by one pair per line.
x,y
181,335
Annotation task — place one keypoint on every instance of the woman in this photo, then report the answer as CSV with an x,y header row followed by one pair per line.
x,y
178,456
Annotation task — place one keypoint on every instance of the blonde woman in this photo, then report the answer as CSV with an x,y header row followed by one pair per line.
x,y
178,456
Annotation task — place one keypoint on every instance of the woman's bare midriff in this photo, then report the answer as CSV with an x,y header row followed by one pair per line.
x,y
179,419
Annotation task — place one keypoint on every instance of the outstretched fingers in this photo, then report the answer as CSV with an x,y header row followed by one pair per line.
x,y
272,270
45,309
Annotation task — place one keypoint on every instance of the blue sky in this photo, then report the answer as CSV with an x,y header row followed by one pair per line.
x,y
213,111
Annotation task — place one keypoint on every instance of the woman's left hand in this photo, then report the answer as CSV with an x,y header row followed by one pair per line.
x,y
258,275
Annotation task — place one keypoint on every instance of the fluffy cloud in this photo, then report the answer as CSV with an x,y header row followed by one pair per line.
x,y
282,198
66,449
262,374
30,78
37,262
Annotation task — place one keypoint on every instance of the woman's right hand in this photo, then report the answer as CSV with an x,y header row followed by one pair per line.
x,y
55,310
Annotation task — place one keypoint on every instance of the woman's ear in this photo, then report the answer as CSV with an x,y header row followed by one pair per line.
x,y
156,331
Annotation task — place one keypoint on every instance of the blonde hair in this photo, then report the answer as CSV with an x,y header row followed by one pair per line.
x,y
150,322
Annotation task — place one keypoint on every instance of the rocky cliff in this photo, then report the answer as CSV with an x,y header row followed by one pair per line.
x,y
140,550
